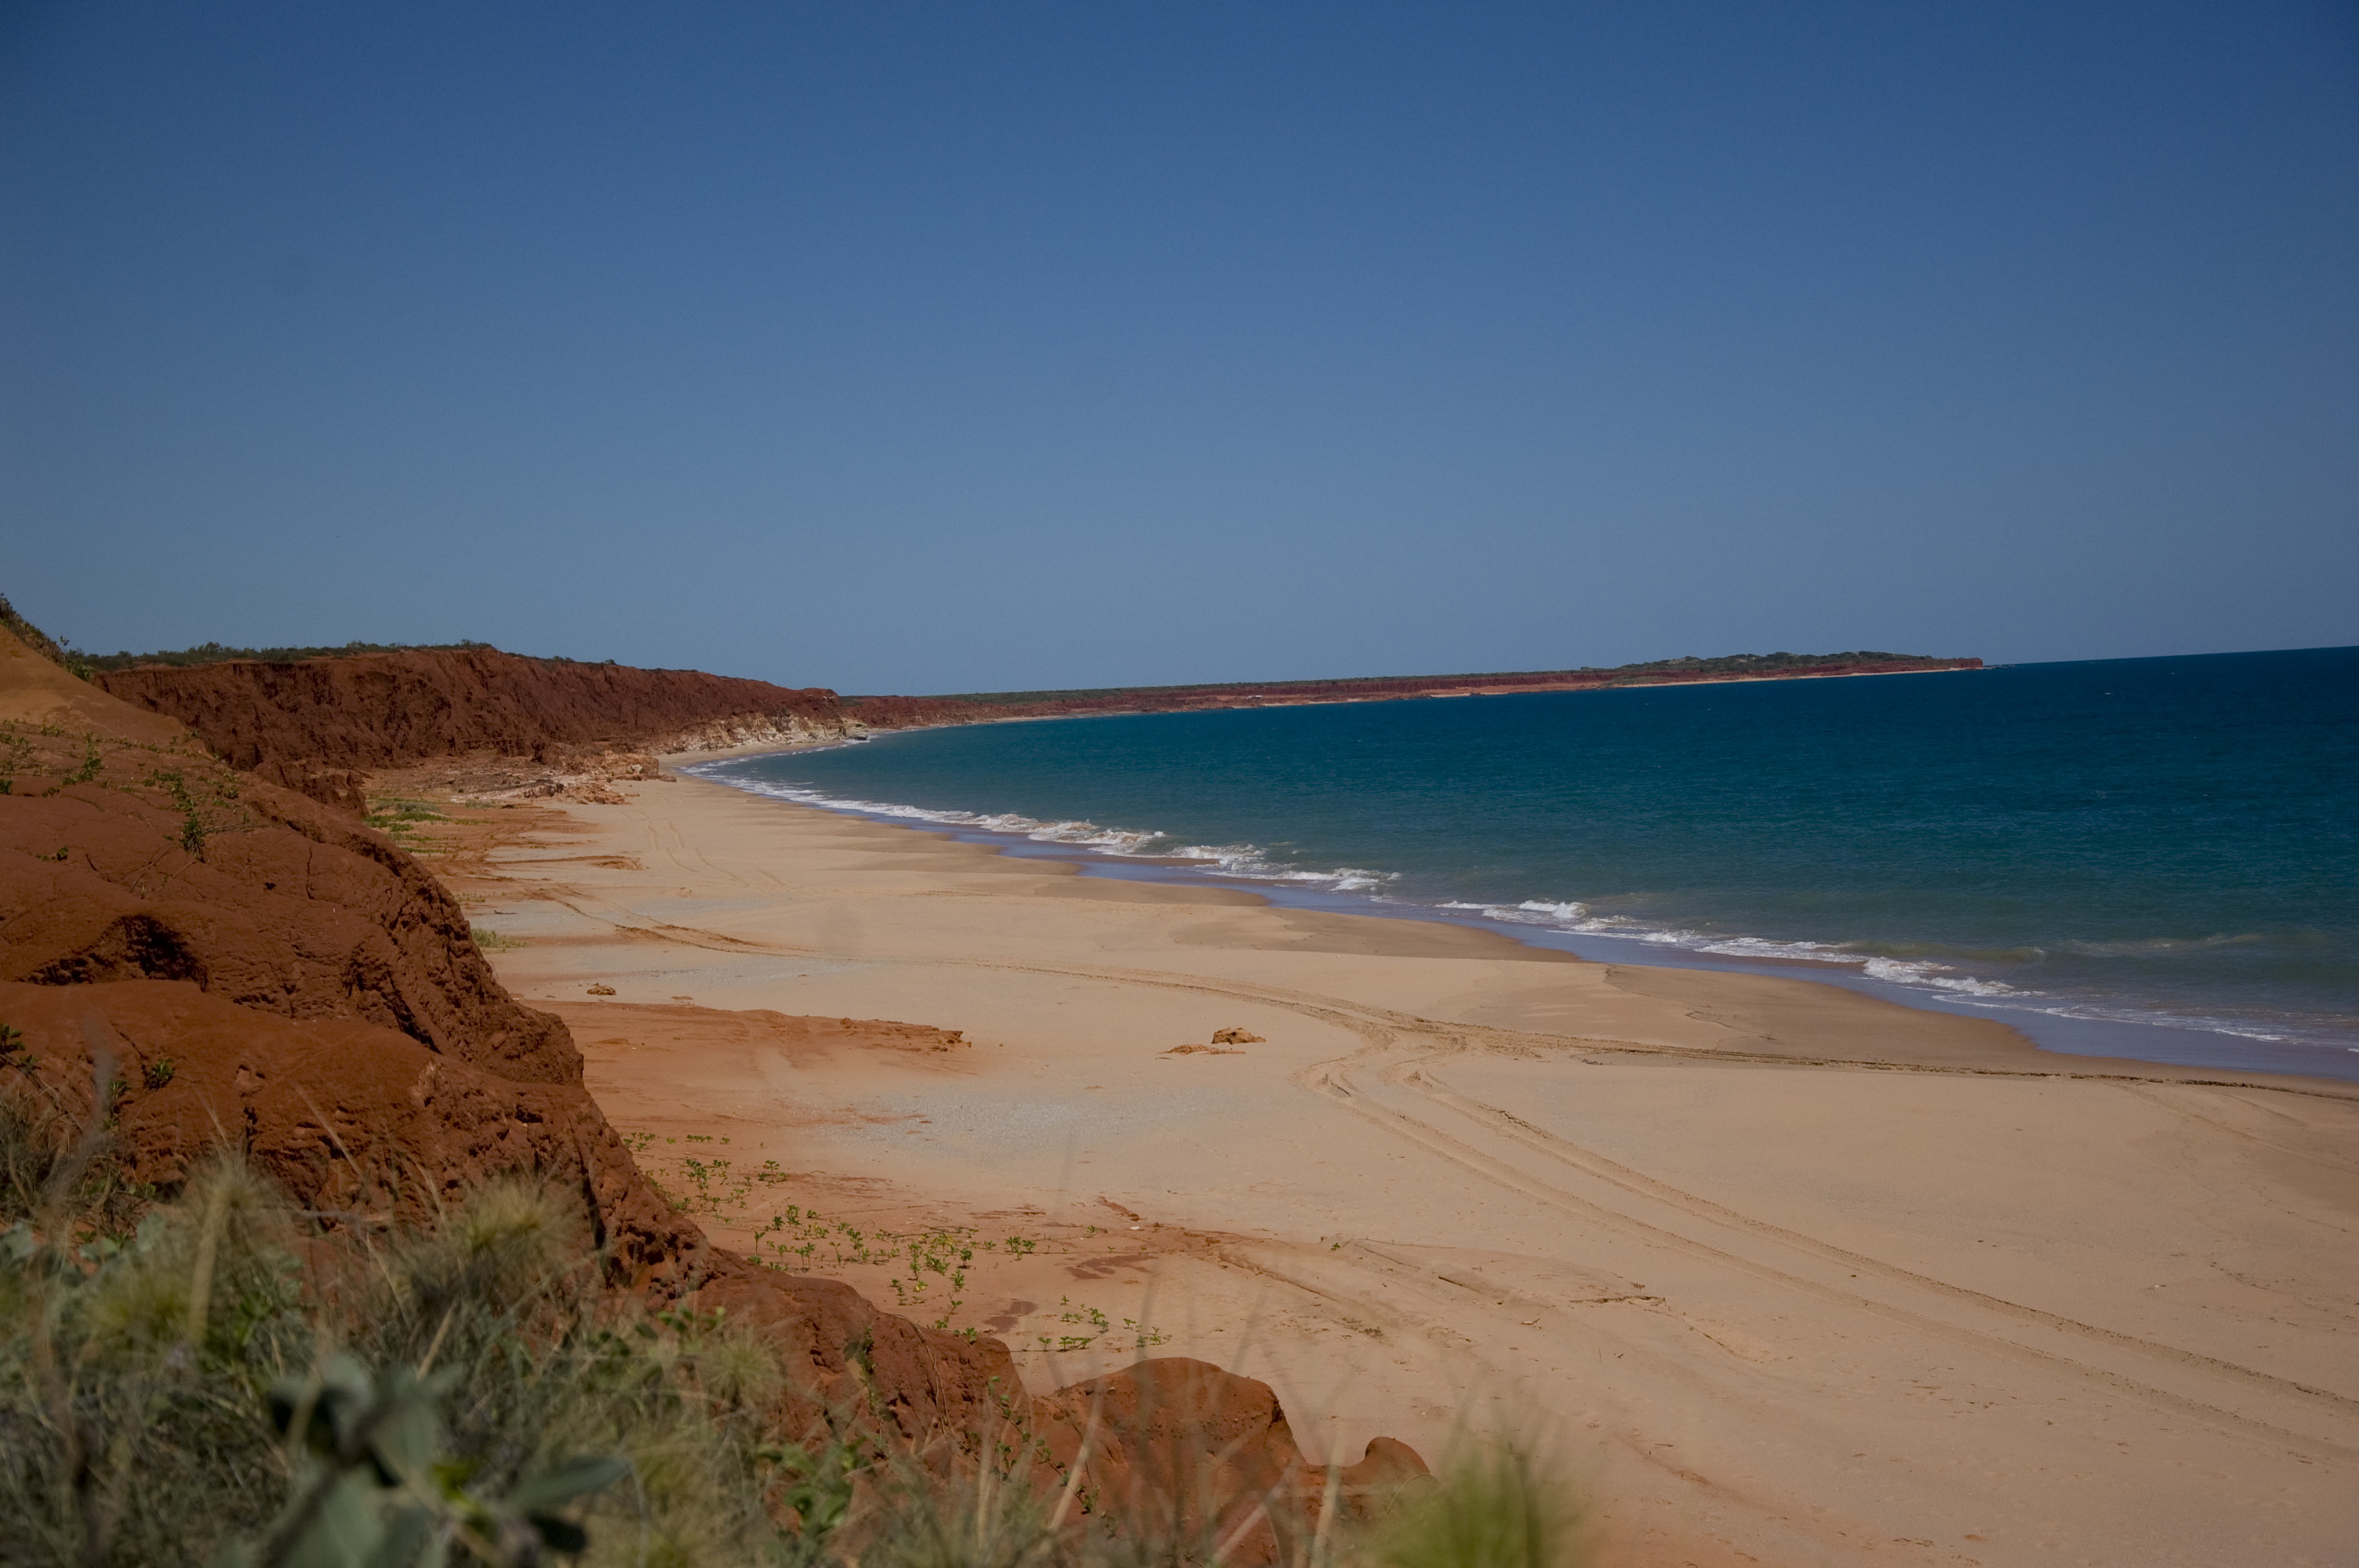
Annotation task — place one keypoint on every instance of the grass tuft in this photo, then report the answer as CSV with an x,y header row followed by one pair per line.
x,y
217,1377
1496,1508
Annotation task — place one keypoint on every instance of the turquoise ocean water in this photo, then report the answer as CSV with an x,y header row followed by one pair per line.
x,y
2156,858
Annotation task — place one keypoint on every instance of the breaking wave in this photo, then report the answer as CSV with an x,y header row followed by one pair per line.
x,y
1575,918
1248,861
1252,862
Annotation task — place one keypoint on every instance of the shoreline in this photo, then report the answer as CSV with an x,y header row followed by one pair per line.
x,y
1712,1235
2159,1042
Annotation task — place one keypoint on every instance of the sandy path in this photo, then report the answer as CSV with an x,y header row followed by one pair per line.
x,y
1790,1274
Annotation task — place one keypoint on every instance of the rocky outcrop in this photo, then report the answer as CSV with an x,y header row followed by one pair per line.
x,y
745,730
1189,1452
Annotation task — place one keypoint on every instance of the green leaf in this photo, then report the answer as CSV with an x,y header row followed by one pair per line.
x,y
407,1437
569,1479
410,1541
346,1532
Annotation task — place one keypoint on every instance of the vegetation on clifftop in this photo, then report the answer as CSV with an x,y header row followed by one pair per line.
x,y
219,653
41,643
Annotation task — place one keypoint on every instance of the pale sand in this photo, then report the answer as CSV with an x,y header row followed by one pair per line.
x,y
1789,1274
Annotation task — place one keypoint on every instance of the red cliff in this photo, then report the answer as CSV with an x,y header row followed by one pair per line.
x,y
219,959
382,710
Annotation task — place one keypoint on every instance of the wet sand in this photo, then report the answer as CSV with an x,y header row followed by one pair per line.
x,y
1789,1274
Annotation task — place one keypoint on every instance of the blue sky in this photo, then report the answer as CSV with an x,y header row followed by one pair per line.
x,y
927,348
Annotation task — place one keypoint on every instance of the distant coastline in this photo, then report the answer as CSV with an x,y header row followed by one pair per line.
x,y
293,711
975,707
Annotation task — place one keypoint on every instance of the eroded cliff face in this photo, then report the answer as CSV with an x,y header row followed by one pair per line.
x,y
222,960
162,865
225,961
382,710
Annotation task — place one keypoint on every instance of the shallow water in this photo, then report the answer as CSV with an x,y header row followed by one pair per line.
x,y
2166,843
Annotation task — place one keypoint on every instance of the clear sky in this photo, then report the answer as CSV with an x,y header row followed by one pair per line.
x,y
902,347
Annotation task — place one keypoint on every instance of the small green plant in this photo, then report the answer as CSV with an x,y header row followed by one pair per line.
x,y
17,753
930,1265
490,941
1496,1508
715,1189
1141,1336
816,1484
159,1073
90,765
202,802
398,819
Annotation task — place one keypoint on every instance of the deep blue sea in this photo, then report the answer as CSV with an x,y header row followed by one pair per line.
x,y
2156,858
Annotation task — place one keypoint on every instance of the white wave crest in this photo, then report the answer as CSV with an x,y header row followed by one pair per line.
x,y
1570,916
1938,976
1244,860
1251,862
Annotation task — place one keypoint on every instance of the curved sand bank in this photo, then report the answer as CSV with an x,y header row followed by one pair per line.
x,y
1792,1275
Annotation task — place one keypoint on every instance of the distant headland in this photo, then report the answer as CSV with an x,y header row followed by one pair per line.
x,y
1686,671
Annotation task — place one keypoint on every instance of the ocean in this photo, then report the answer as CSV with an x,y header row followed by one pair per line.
x,y
2152,858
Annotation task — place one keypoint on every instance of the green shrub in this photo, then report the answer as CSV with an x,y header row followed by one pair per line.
x,y
1496,1508
220,1378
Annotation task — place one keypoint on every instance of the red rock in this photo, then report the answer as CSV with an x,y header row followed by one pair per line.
x,y
1189,1452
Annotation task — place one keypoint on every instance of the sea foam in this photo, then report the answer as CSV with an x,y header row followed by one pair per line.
x,y
1248,861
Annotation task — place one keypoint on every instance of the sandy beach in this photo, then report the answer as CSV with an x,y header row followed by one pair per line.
x,y
1785,1274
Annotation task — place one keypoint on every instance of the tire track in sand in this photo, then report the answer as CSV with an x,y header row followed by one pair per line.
x,y
1399,1046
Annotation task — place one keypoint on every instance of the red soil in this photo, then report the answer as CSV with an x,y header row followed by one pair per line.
x,y
225,961
384,710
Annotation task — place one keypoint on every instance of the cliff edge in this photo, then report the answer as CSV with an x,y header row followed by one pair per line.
x,y
233,962
195,956
316,725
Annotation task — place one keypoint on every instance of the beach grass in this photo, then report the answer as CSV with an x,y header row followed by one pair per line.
x,y
212,1374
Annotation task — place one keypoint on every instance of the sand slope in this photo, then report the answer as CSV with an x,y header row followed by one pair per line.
x,y
1792,1275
